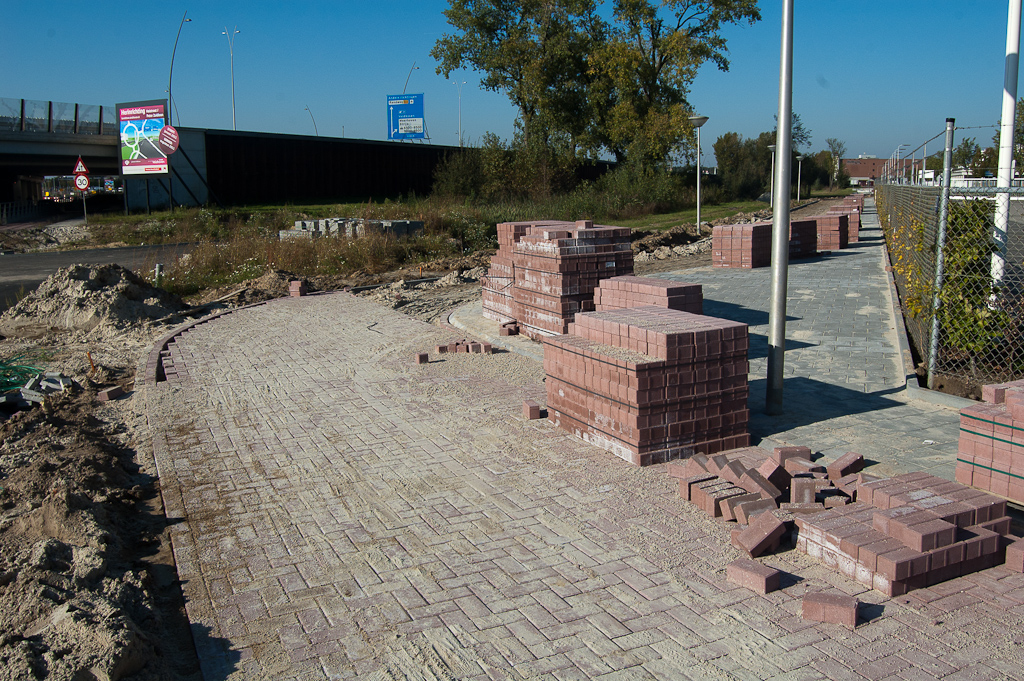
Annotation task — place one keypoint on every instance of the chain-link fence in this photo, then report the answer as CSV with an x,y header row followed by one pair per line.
x,y
960,281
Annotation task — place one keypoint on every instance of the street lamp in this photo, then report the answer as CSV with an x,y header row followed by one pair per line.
x,y
314,121
799,173
170,76
697,122
459,86
231,51
414,68
771,191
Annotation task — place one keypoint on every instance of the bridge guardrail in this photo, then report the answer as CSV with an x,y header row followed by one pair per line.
x,y
33,115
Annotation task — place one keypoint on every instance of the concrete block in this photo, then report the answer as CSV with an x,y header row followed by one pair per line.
x,y
109,393
746,511
531,410
422,358
762,532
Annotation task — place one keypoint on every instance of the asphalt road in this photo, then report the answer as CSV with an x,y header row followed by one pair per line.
x,y
23,272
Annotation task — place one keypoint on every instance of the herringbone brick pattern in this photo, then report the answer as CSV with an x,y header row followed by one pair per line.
x,y
340,511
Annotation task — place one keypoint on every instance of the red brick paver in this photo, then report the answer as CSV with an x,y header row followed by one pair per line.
x,y
339,511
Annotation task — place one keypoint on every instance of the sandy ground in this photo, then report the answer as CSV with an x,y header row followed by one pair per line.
x,y
88,588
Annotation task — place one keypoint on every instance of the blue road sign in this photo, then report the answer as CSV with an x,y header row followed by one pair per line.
x,y
405,117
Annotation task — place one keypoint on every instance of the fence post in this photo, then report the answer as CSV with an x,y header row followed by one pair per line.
x,y
947,165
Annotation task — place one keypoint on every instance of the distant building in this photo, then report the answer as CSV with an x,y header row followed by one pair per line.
x,y
865,169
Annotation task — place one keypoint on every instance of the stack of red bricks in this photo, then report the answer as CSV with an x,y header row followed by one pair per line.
x,y
852,213
621,293
745,246
650,384
546,272
749,246
908,532
991,451
833,232
803,239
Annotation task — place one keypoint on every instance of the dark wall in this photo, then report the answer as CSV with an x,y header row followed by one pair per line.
x,y
253,168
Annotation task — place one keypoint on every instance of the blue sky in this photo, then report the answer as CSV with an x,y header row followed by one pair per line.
x,y
873,74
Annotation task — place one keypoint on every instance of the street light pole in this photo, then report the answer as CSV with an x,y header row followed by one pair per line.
x,y
170,76
697,122
780,221
459,86
799,173
314,121
231,51
414,68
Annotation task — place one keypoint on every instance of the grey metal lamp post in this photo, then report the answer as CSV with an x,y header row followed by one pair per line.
x,y
170,76
314,121
231,51
697,122
799,173
459,86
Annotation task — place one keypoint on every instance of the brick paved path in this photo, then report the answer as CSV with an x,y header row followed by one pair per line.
x,y
340,511
844,379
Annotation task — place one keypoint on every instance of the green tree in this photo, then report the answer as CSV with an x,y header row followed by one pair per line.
x,y
966,153
799,135
617,86
836,149
535,51
643,71
1018,135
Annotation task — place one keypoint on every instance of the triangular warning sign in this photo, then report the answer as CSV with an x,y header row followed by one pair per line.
x,y
80,168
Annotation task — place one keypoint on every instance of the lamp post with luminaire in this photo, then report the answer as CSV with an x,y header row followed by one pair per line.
x,y
459,86
231,52
697,122
170,76
317,132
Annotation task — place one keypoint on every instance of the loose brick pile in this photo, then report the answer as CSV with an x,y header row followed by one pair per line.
x,y
991,451
890,534
908,532
745,246
650,384
621,293
463,345
546,272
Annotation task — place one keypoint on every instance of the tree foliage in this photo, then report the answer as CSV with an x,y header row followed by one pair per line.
x,y
836,149
1018,135
616,85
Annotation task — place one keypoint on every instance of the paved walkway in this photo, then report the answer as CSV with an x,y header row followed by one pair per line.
x,y
341,511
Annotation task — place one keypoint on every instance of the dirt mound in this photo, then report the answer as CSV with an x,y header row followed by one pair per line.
x,y
75,600
98,300
273,284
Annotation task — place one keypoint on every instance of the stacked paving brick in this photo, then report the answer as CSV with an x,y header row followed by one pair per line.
x,y
890,534
833,232
546,272
744,246
350,227
852,212
621,293
991,450
803,239
650,384
750,246
908,532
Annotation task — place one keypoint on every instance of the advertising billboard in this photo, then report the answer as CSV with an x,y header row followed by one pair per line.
x,y
405,117
140,125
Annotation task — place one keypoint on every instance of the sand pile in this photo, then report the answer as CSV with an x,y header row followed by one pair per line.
x,y
95,299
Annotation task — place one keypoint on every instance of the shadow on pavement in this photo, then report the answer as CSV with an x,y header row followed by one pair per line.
x,y
806,401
